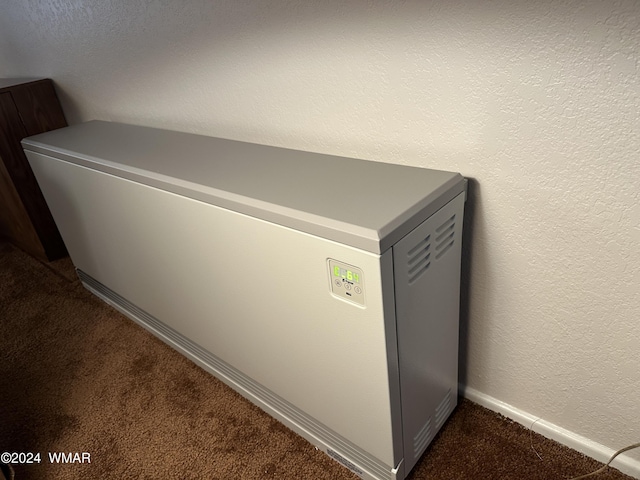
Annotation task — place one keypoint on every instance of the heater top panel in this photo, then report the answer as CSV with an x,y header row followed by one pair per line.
x,y
368,205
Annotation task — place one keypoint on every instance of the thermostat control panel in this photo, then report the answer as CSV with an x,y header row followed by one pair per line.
x,y
347,281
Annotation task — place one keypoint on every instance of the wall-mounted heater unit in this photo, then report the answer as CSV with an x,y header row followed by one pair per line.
x,y
324,289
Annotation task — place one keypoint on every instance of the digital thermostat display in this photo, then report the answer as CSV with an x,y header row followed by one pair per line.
x,y
346,274
347,281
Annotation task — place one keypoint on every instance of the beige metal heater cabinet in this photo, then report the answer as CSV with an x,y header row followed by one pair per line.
x,y
324,289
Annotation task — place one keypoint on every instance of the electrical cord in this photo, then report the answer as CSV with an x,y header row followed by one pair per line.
x,y
600,470
603,468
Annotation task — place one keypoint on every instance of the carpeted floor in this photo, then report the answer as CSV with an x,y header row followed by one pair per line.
x,y
76,376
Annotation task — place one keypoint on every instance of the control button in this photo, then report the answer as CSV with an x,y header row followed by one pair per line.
x,y
347,286
338,283
358,290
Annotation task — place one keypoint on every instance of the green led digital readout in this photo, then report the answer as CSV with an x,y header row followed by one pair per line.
x,y
346,274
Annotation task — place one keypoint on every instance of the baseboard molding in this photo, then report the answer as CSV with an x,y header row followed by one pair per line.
x,y
547,429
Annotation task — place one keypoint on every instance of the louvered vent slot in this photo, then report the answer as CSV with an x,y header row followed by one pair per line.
x,y
422,439
418,259
445,237
443,410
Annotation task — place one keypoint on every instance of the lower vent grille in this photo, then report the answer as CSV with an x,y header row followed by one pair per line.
x,y
443,410
422,439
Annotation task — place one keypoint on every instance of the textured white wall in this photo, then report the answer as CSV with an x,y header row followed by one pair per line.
x,y
539,102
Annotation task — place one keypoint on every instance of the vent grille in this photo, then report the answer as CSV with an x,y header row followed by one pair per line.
x,y
443,410
339,458
422,439
419,259
445,234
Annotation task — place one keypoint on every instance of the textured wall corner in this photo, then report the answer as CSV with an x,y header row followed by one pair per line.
x,y
538,102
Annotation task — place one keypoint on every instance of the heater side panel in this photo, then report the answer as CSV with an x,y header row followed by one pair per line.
x,y
427,283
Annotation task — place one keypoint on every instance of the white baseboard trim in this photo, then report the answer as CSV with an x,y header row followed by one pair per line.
x,y
547,429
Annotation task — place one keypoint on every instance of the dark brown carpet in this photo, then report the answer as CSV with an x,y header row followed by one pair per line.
x,y
76,376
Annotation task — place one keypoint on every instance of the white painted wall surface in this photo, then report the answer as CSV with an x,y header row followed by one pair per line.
x,y
539,102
